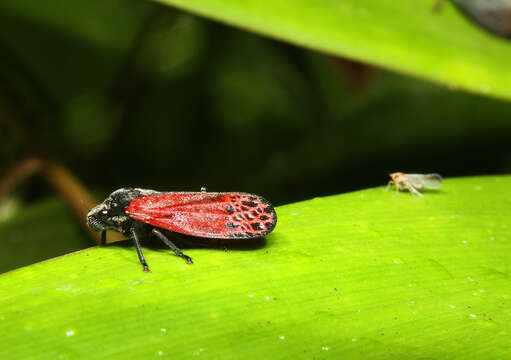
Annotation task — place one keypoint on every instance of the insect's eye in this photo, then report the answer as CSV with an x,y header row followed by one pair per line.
x,y
104,212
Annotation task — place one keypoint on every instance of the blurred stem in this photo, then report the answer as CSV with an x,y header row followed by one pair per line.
x,y
17,173
18,115
129,84
69,187
76,196
358,76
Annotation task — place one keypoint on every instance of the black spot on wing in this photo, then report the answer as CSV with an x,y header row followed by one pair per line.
x,y
269,226
239,235
257,226
249,203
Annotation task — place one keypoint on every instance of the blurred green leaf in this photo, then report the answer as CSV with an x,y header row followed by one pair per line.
x,y
361,275
173,47
205,100
266,90
100,24
89,121
404,36
37,232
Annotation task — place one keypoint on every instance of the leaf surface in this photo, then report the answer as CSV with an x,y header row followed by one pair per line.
x,y
361,275
405,36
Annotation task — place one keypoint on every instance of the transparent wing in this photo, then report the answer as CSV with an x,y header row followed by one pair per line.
x,y
428,181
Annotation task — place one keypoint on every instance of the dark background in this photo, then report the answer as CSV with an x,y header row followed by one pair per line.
x,y
138,94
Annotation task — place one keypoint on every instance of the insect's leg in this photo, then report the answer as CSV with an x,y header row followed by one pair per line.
x,y
388,185
103,238
414,191
169,243
139,250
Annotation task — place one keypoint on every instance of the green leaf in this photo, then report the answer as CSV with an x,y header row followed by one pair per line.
x,y
404,36
359,275
37,232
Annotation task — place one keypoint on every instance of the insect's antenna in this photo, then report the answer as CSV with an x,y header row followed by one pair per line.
x,y
103,237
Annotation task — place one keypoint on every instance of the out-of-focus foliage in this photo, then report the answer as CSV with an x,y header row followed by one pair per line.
x,y
36,232
414,37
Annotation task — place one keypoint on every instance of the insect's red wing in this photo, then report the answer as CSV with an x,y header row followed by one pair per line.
x,y
205,214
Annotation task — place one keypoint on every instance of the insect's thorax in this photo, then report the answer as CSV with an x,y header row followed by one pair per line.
x,y
110,214
401,184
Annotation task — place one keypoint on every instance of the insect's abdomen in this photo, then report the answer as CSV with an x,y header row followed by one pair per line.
x,y
211,215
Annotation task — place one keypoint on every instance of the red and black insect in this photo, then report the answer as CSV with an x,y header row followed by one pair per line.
x,y
201,214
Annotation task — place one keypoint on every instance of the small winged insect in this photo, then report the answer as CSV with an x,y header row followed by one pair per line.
x,y
414,182
213,215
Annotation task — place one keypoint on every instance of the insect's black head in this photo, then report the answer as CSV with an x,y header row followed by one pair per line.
x,y
110,215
